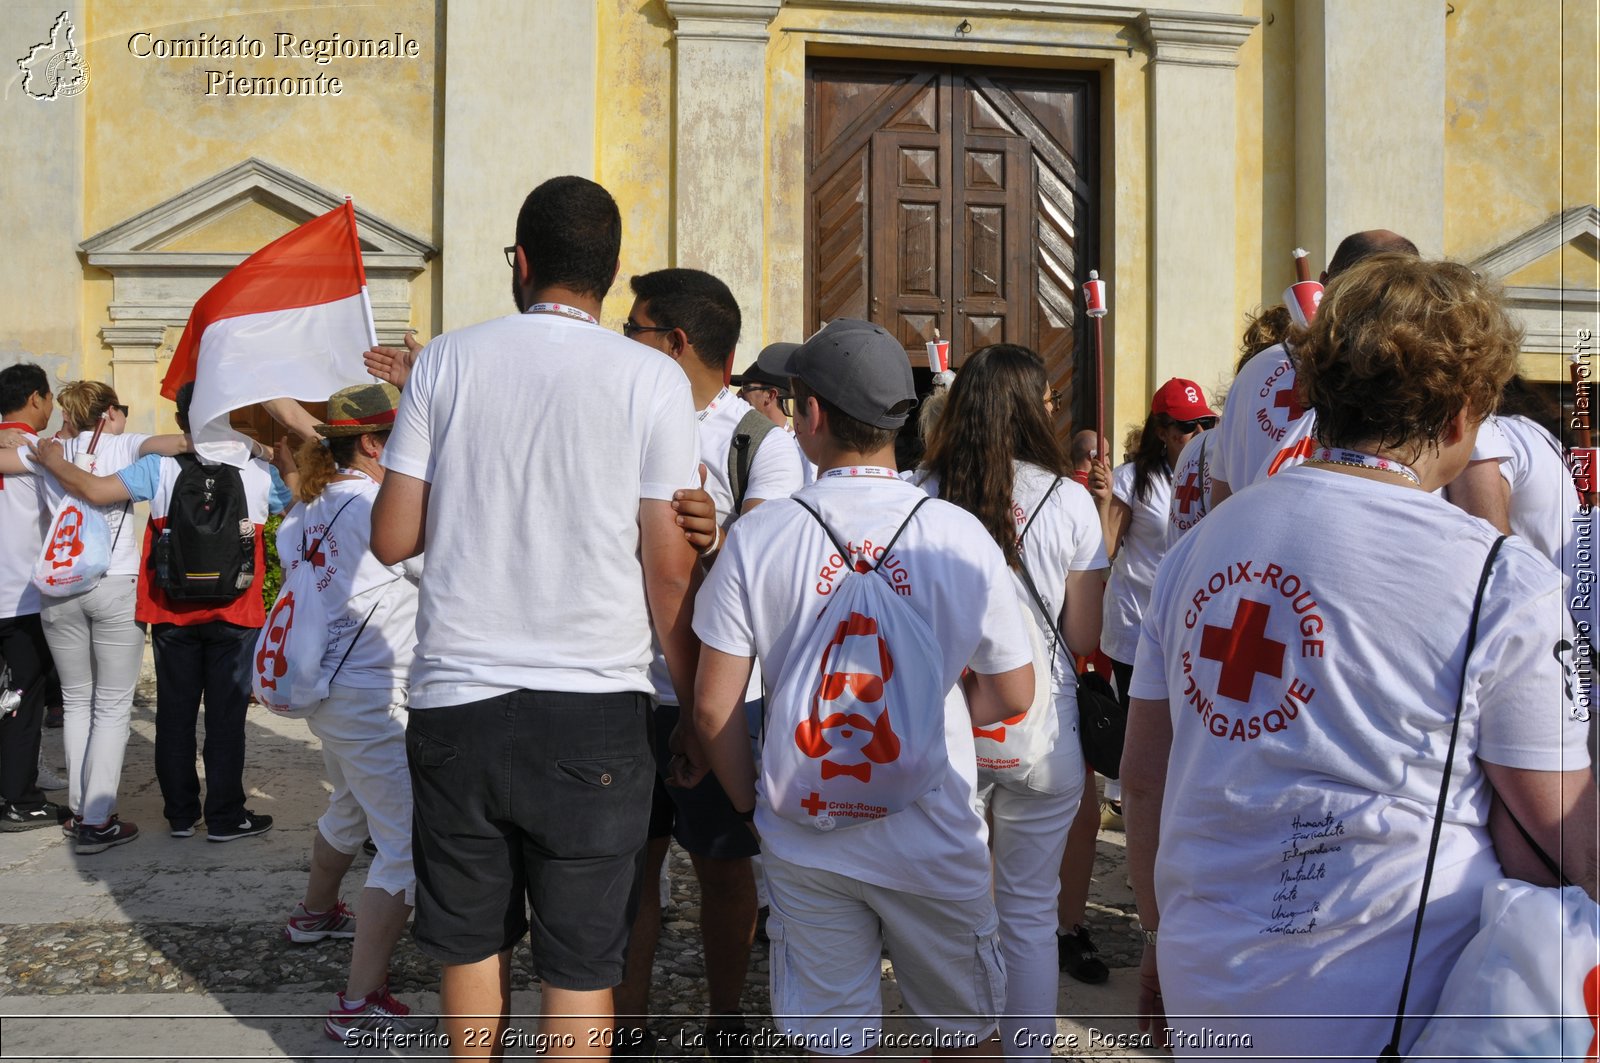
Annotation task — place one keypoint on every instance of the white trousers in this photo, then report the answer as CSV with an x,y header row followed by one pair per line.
x,y
98,648
1029,824
363,732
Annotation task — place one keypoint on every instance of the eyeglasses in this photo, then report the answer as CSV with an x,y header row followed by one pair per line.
x,y
120,408
632,328
1196,425
1052,400
511,256
777,393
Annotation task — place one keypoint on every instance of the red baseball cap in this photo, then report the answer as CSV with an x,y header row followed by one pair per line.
x,y
1181,400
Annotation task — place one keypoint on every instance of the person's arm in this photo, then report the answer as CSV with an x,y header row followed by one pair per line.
x,y
11,464
1558,810
1481,490
399,517
1114,513
170,445
1086,590
719,686
1220,492
101,490
1144,783
670,577
293,416
13,439
992,698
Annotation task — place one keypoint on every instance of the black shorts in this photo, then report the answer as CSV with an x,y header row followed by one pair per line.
x,y
701,818
531,800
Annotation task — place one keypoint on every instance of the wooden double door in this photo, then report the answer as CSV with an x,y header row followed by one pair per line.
x,y
957,199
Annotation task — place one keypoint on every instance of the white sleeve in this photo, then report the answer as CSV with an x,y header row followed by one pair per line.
x,y
1122,484
1003,643
1524,675
1491,442
776,471
722,618
1088,543
670,458
409,450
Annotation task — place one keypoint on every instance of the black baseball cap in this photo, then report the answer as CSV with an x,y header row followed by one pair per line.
x,y
856,365
759,376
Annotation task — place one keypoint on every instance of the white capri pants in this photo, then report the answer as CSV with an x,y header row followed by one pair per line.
x,y
363,732
1030,820
97,647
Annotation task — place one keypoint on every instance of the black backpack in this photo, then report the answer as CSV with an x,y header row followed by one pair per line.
x,y
207,551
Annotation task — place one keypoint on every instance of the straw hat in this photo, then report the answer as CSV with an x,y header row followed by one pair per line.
x,y
363,408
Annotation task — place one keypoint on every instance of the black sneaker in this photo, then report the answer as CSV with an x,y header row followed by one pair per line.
x,y
1079,958
99,839
45,814
248,825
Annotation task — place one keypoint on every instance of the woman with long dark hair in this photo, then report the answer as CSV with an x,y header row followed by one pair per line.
x,y
1133,501
995,455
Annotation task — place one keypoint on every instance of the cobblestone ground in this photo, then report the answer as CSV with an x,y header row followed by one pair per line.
x,y
250,954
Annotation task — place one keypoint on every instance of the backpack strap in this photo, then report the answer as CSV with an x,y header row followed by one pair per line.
x,y
357,637
1027,577
752,429
844,551
307,555
1391,1051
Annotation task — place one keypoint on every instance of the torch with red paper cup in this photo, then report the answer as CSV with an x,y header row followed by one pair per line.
x,y
84,459
939,360
1095,304
1304,295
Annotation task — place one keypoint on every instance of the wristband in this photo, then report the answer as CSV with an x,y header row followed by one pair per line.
x,y
1148,935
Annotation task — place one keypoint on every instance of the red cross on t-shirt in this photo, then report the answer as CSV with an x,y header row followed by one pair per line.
x,y
1287,398
1243,649
1188,493
814,804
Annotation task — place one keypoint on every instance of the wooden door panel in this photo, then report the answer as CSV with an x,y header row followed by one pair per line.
x,y
956,199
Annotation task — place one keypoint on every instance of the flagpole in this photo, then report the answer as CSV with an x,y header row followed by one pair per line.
x,y
361,271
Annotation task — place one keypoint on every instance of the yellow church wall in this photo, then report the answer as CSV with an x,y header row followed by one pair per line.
x,y
151,130
1520,123
634,141
1265,228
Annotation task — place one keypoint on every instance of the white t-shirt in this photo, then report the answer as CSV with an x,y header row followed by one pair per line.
x,y
357,589
1544,500
1264,428
1191,485
1144,541
112,454
1064,538
775,472
23,522
540,435
776,568
1311,657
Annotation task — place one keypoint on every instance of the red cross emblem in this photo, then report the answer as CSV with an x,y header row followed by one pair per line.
x,y
1244,650
1188,493
1287,399
814,804
1591,1000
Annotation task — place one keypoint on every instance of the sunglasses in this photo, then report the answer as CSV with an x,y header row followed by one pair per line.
x,y
1196,425
778,393
631,328
120,408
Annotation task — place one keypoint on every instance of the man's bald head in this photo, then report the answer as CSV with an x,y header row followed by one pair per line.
x,y
1363,245
1084,445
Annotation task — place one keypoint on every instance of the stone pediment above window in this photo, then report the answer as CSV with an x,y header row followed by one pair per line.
x,y
164,258
1550,273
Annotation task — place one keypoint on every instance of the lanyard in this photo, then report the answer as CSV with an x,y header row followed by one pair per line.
x,y
1341,456
563,309
356,474
713,404
861,470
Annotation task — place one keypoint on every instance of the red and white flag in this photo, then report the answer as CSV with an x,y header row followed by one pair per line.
x,y
290,321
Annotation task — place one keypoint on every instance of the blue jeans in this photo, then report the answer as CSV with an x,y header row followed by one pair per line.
x,y
210,659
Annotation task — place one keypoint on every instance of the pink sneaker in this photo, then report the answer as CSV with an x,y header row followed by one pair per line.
x,y
377,1012
305,927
